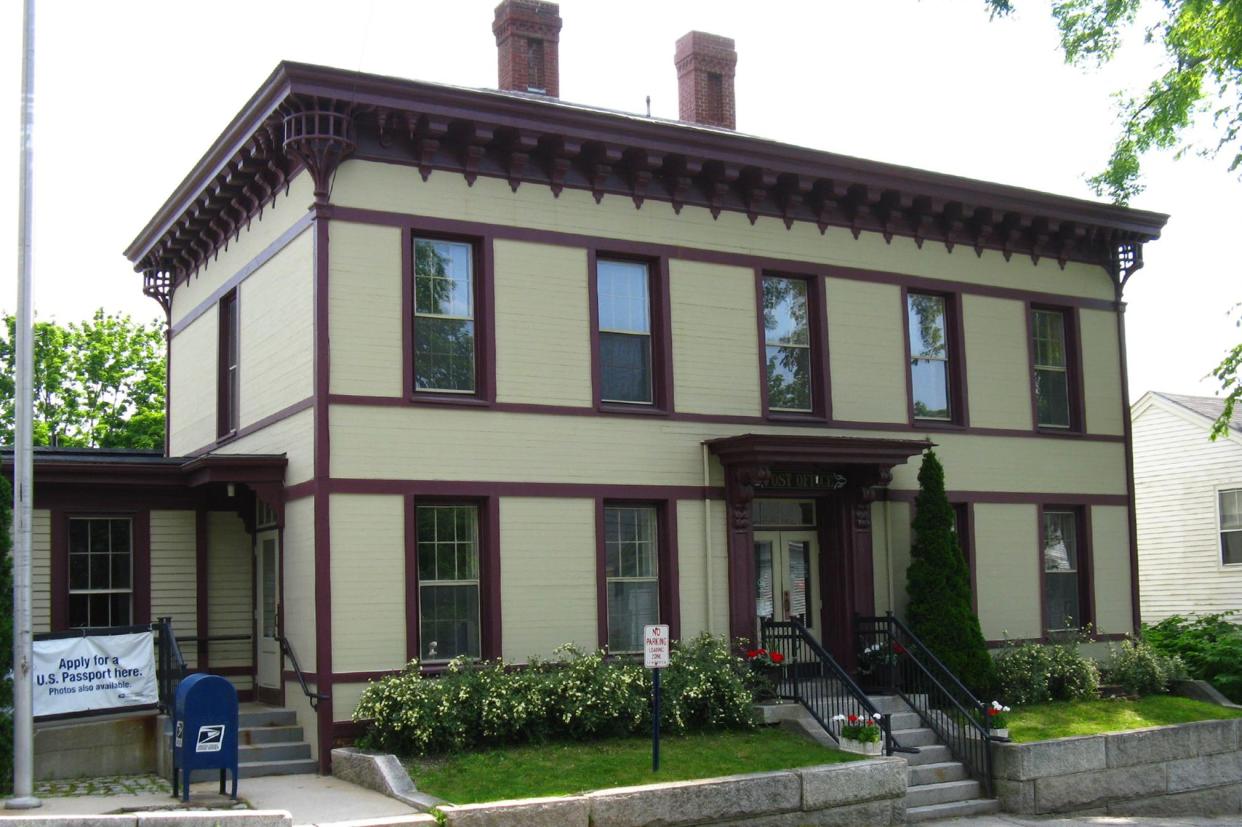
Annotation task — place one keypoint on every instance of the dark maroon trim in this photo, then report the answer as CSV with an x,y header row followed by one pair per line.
x,y
790,421
323,540
347,732
817,323
478,489
248,269
652,250
1086,574
300,490
483,275
667,579
601,576
60,570
1014,497
971,554
202,591
489,564
411,580
1128,433
256,426
142,566
955,343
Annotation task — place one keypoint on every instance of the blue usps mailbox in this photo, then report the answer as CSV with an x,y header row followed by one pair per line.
x,y
204,730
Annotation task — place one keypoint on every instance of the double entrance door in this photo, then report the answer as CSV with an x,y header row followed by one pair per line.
x,y
787,562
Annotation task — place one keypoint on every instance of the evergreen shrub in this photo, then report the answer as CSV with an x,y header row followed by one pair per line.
x,y
578,695
1209,645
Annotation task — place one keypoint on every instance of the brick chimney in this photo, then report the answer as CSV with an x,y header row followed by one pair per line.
x,y
705,68
527,32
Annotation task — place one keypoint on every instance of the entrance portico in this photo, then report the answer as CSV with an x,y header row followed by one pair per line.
x,y
842,475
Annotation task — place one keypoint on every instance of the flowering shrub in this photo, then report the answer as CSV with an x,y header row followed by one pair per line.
x,y
578,695
862,728
997,713
1033,673
1140,670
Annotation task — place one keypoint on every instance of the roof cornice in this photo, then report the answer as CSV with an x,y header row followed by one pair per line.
x,y
313,117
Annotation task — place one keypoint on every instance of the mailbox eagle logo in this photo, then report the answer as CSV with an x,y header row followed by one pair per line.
x,y
210,738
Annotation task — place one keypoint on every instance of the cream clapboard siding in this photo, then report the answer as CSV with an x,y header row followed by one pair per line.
x,y
1177,473
885,576
547,575
364,319
174,581
192,385
293,436
400,188
308,718
715,339
262,232
298,571
230,591
1007,570
368,582
998,362
345,697
692,569
897,551
41,570
1110,564
543,324
276,340
866,356
1101,368
391,443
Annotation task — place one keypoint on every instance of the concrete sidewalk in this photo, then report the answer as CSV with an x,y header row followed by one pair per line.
x,y
311,799
1087,821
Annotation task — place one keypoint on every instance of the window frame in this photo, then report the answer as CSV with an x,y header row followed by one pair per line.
x,y
955,374
228,376
482,275
661,334
140,561
488,529
817,324
1220,530
666,565
1073,368
1086,574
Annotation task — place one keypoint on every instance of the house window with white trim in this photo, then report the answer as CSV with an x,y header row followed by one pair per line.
x,y
444,317
632,572
448,581
101,586
1231,527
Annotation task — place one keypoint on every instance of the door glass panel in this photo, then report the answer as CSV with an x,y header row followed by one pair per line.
x,y
269,588
763,578
799,554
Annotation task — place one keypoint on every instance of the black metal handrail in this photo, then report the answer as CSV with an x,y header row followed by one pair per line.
x,y
905,665
813,678
171,667
312,697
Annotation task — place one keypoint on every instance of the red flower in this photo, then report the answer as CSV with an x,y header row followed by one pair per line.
x,y
853,719
993,711
777,657
752,654
899,649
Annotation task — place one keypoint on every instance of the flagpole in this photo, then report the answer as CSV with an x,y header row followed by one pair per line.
x,y
23,464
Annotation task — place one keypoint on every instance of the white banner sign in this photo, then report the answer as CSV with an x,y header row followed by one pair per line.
x,y
81,674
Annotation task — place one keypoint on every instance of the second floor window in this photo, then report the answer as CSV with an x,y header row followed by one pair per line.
x,y
1231,527
444,316
787,344
624,296
228,412
1052,381
929,357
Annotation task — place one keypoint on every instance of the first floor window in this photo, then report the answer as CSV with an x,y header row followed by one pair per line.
x,y
1231,526
787,343
448,581
1063,572
444,316
100,571
632,574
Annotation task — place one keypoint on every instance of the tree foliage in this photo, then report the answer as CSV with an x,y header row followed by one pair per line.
x,y
1202,76
98,383
938,585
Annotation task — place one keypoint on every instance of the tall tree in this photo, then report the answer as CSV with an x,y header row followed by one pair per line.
x,y
938,585
98,383
1201,80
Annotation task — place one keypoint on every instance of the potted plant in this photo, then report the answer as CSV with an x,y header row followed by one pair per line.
x,y
860,733
876,662
766,667
998,723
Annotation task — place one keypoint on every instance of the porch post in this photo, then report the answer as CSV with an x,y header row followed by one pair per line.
x,y
740,483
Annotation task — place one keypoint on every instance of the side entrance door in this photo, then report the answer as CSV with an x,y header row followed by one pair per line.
x,y
267,591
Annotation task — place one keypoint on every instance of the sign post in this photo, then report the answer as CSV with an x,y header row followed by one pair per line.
x,y
655,658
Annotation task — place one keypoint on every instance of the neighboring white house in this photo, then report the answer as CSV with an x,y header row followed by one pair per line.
x,y
1188,497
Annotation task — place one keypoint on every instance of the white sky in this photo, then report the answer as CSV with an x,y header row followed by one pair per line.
x,y
130,93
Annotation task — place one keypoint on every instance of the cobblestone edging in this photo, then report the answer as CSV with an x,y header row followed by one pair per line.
x,y
1188,769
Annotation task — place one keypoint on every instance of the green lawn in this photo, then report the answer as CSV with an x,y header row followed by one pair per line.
x,y
568,768
1061,720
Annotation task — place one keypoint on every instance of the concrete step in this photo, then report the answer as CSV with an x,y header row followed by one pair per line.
x,y
931,754
953,809
269,735
258,716
942,793
905,720
256,769
289,751
889,703
919,737
936,773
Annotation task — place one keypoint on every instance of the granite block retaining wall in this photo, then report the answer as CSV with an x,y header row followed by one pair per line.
x,y
1189,769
